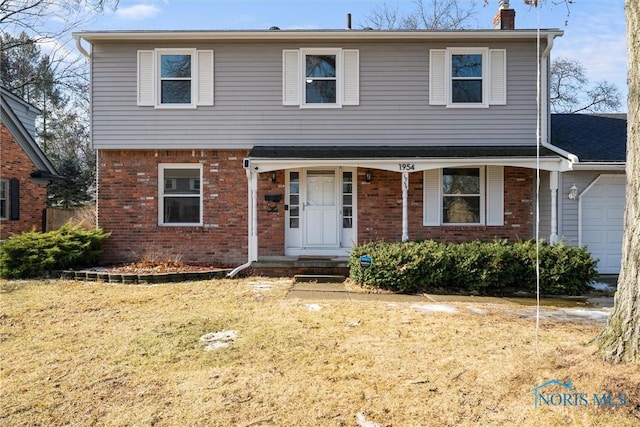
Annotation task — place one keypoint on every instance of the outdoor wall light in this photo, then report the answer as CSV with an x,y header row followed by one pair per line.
x,y
573,192
273,176
367,176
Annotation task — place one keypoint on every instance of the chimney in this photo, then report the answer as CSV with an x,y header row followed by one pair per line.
x,y
348,21
505,19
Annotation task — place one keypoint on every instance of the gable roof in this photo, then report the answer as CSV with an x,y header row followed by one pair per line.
x,y
19,129
593,138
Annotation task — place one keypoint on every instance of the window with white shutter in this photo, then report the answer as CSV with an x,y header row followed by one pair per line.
x,y
175,78
467,77
464,196
320,77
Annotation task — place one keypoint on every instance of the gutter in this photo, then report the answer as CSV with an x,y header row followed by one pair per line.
x,y
83,51
252,185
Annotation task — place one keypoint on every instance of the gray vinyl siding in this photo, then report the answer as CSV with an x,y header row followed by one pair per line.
x,y
394,102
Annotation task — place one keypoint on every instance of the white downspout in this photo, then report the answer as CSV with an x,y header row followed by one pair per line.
x,y
553,186
545,105
252,235
81,48
405,206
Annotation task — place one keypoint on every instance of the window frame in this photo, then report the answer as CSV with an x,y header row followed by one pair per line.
x,y
451,52
158,74
162,167
4,190
339,78
482,197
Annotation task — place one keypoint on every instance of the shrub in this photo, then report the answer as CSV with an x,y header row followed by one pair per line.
x,y
31,254
480,267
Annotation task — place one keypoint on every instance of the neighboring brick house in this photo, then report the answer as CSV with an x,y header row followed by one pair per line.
x,y
297,144
24,169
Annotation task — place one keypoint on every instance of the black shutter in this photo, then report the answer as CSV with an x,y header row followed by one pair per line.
x,y
14,197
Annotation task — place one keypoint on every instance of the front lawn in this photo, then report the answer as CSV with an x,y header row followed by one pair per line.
x,y
78,353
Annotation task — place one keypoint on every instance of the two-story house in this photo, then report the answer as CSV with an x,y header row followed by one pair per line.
x,y
229,147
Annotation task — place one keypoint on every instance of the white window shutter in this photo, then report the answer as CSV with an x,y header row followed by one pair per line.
x,y
290,77
437,77
495,195
498,73
432,200
146,78
351,77
205,77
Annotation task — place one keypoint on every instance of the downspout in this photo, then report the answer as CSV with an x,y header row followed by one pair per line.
x,y
545,105
252,184
81,48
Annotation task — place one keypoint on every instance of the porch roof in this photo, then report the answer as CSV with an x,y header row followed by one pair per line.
x,y
402,158
403,152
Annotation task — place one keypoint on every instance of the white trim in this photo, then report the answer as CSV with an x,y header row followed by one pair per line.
x,y
337,52
161,195
159,52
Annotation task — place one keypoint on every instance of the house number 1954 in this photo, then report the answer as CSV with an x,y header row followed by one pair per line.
x,y
407,166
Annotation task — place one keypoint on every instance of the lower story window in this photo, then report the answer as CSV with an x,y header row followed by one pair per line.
x,y
180,194
4,199
461,192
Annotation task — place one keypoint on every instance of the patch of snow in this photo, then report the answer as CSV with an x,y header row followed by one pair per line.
x,y
313,307
362,421
568,314
599,286
216,340
435,308
476,310
353,324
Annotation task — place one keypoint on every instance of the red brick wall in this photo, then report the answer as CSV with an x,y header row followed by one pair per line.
x,y
128,208
14,163
380,210
271,224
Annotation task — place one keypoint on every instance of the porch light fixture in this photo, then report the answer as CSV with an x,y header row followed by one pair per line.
x,y
573,192
367,176
273,176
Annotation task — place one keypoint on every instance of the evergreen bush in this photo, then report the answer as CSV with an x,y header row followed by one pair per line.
x,y
32,253
474,267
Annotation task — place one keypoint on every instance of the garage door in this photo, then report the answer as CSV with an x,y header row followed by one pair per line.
x,y
601,218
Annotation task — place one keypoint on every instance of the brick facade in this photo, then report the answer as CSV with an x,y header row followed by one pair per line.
x,y
14,163
128,208
380,210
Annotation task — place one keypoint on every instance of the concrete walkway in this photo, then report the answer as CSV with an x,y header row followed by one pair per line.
x,y
337,291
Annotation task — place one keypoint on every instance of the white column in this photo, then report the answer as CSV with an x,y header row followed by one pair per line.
x,y
405,206
553,186
253,215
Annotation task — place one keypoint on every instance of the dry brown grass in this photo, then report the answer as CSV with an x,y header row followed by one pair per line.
x,y
103,354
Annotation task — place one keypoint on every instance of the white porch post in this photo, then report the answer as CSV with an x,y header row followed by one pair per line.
x,y
253,215
553,186
405,206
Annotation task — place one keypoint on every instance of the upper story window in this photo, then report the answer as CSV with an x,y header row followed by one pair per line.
x,y
175,78
4,199
321,78
321,82
467,77
180,194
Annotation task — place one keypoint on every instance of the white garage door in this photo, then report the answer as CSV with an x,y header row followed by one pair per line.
x,y
601,215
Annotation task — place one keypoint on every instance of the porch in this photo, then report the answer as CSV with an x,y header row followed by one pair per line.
x,y
288,266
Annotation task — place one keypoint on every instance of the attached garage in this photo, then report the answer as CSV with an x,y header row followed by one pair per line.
x,y
601,220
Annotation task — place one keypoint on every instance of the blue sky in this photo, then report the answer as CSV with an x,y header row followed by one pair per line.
x,y
594,29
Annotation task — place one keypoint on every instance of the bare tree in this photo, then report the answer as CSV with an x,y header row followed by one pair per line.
x,y
426,15
620,339
571,91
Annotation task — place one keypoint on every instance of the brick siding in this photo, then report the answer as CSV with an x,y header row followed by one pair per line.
x,y
128,208
33,197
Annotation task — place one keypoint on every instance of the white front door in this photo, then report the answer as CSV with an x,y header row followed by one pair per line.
x,y
320,207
